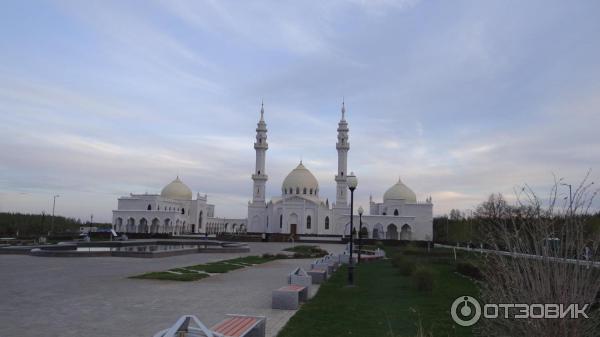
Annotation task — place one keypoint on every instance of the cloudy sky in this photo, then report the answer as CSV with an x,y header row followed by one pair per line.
x,y
460,98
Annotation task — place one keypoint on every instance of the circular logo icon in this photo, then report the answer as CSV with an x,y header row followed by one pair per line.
x,y
465,311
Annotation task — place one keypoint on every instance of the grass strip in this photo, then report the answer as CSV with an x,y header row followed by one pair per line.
x,y
200,271
383,303
165,275
306,251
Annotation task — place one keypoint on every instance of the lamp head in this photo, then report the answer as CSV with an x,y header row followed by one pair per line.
x,y
360,210
351,181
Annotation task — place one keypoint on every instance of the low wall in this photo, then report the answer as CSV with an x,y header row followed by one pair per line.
x,y
395,243
69,249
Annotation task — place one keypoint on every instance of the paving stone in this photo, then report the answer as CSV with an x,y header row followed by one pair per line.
x,y
93,297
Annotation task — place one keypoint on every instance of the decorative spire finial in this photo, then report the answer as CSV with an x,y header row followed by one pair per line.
x,y
262,110
343,109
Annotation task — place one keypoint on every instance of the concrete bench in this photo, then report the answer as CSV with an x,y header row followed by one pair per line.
x,y
299,277
370,258
318,275
289,297
333,261
322,264
345,259
232,326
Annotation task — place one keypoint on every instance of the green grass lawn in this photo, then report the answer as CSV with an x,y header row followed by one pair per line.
x,y
307,251
200,271
383,303
163,275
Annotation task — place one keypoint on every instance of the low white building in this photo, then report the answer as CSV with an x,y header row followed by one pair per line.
x,y
399,216
173,211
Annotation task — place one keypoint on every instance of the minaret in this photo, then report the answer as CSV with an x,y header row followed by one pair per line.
x,y
342,147
259,177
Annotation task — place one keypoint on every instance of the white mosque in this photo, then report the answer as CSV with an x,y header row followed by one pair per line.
x,y
173,211
299,211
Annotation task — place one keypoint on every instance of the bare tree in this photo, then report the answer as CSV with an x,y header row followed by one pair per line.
x,y
544,241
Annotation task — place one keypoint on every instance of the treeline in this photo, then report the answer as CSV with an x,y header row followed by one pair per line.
x,y
458,227
35,225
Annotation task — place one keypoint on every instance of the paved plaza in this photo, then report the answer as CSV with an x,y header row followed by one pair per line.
x,y
93,296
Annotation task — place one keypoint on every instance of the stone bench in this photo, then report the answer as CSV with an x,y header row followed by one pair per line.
x,y
232,326
323,264
289,297
370,258
345,259
318,275
333,261
299,277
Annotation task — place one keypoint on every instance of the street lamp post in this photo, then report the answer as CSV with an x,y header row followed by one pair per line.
x,y
360,213
53,207
570,198
352,183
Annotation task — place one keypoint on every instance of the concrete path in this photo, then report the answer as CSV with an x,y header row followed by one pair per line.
x,y
93,297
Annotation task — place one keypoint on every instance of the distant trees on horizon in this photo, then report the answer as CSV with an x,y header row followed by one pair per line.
x,y
457,227
35,225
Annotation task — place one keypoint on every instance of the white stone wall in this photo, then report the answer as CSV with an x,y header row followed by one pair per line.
x,y
226,225
173,216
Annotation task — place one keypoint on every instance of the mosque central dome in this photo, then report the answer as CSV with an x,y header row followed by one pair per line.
x,y
300,181
399,191
176,190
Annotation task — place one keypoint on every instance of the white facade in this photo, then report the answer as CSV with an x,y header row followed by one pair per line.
x,y
300,210
174,211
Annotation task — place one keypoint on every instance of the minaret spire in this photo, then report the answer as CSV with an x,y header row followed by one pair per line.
x,y
342,146
262,110
257,211
260,146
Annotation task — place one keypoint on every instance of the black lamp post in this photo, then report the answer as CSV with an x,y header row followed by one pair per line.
x,y
570,198
360,213
352,183
53,206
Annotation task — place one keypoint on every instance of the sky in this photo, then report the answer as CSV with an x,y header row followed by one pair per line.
x,y
99,99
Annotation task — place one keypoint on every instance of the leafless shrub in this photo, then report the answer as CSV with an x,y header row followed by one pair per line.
x,y
545,241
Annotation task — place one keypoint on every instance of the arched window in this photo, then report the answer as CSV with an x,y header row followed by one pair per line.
x,y
304,191
291,191
258,172
311,191
326,222
297,190
182,211
284,191
396,212
342,173
281,221
308,222
149,207
200,220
